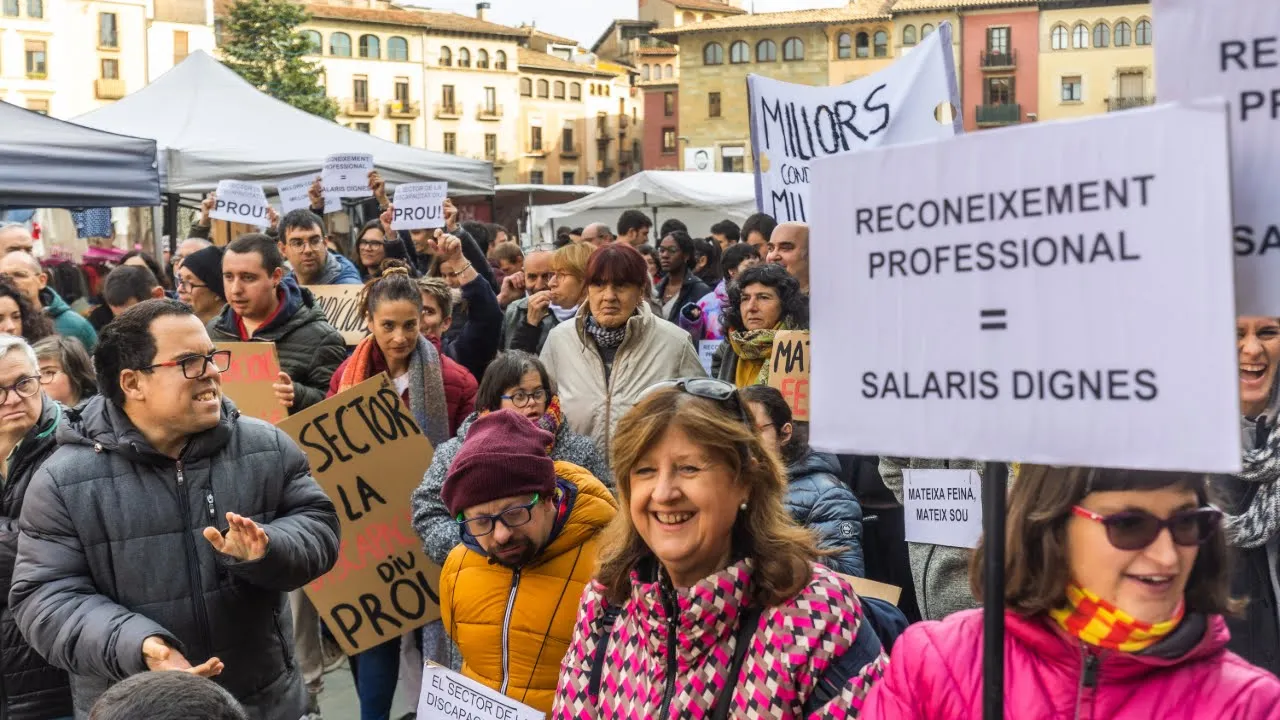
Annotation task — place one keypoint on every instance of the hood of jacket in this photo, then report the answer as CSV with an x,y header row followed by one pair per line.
x,y
299,308
101,424
814,462
338,270
54,305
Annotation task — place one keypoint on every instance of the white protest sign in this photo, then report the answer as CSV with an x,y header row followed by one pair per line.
x,y
793,124
447,695
1229,48
1058,306
706,351
943,507
700,159
240,202
293,193
346,176
419,205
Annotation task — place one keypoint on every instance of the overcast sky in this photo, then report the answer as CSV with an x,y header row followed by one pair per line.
x,y
584,20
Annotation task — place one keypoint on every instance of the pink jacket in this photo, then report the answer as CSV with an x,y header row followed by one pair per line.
x,y
936,673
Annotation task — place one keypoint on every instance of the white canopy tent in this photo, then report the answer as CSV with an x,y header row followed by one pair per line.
x,y
699,199
211,125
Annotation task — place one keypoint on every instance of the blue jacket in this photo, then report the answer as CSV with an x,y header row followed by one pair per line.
x,y
66,321
818,500
338,270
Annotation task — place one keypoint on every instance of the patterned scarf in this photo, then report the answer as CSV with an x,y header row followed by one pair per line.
x,y
551,421
426,384
606,338
1261,520
1101,624
756,345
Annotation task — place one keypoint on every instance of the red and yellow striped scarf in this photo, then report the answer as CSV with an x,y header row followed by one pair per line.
x,y
1101,624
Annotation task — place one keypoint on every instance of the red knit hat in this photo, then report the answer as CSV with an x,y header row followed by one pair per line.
x,y
504,455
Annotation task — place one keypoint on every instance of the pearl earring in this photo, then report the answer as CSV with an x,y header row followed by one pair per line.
x,y
743,507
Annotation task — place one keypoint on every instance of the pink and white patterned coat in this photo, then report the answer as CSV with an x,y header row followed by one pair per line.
x,y
794,643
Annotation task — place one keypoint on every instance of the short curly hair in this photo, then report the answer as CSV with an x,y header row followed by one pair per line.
x,y
795,304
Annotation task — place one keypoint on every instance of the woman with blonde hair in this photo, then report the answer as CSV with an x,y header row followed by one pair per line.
x,y
568,285
708,601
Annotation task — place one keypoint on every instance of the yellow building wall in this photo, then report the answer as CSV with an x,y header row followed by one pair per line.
x,y
469,86
1098,68
552,115
851,68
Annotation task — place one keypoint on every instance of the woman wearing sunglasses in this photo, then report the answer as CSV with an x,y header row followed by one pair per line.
x,y
1116,583
709,601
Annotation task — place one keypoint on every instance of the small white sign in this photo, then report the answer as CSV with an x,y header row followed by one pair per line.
x,y
240,202
943,507
345,176
706,351
1229,48
446,695
700,159
293,193
1019,310
419,205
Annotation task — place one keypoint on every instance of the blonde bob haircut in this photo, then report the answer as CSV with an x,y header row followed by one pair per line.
x,y
782,553
572,259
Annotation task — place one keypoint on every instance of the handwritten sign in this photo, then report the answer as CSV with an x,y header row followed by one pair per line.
x,y
419,206
368,454
254,367
447,695
293,193
943,507
789,370
706,351
341,307
346,175
240,202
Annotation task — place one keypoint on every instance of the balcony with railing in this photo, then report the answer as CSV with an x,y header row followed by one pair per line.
x,y
109,88
488,112
569,151
360,107
448,111
1005,60
402,110
1128,103
993,115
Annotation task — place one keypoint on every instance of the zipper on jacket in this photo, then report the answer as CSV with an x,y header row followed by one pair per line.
x,y
213,513
669,691
1089,663
506,631
193,564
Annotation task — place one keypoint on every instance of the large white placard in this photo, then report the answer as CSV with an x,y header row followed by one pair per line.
x,y
942,507
707,352
447,695
793,124
1050,293
293,193
419,205
1230,48
700,159
346,175
240,202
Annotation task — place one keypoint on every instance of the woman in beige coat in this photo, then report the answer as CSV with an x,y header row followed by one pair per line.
x,y
615,347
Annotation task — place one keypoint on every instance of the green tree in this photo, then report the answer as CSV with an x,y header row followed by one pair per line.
x,y
265,47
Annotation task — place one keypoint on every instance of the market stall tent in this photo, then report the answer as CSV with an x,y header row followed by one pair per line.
x,y
513,204
699,199
211,125
49,163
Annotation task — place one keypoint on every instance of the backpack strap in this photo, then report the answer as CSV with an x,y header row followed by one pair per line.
x,y
865,649
748,623
602,645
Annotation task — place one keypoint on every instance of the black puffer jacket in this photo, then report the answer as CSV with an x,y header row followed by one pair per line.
x,y
818,500
30,688
111,553
310,349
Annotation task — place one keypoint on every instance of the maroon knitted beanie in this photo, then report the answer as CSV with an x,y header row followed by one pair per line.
x,y
504,455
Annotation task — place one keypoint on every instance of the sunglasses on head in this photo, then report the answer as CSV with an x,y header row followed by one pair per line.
x,y
1137,529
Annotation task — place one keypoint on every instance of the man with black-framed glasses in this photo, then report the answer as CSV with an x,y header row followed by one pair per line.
x,y
529,528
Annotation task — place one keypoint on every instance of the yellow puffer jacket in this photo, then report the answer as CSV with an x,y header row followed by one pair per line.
x,y
516,628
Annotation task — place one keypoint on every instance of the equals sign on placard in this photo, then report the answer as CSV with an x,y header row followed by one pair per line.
x,y
994,320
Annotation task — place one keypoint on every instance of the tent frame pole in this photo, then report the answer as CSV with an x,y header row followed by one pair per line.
x,y
995,477
170,227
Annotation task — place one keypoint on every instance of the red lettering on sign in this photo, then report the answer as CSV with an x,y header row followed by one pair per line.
x,y
796,392
371,546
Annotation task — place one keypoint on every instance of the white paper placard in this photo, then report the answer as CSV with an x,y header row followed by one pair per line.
x,y
706,351
293,193
943,507
240,202
447,695
1056,306
792,124
700,159
346,175
419,205
1229,48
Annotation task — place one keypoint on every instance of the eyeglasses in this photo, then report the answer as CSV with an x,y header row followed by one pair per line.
x,y
184,285
48,375
664,250
25,387
371,243
521,399
299,243
511,517
710,389
1137,529
193,367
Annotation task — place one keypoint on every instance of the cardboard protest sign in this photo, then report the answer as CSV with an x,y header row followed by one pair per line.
x,y
293,193
419,206
254,367
793,124
368,454
789,370
240,202
1006,311
943,507
871,588
447,695
707,351
341,307
346,175
1229,49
